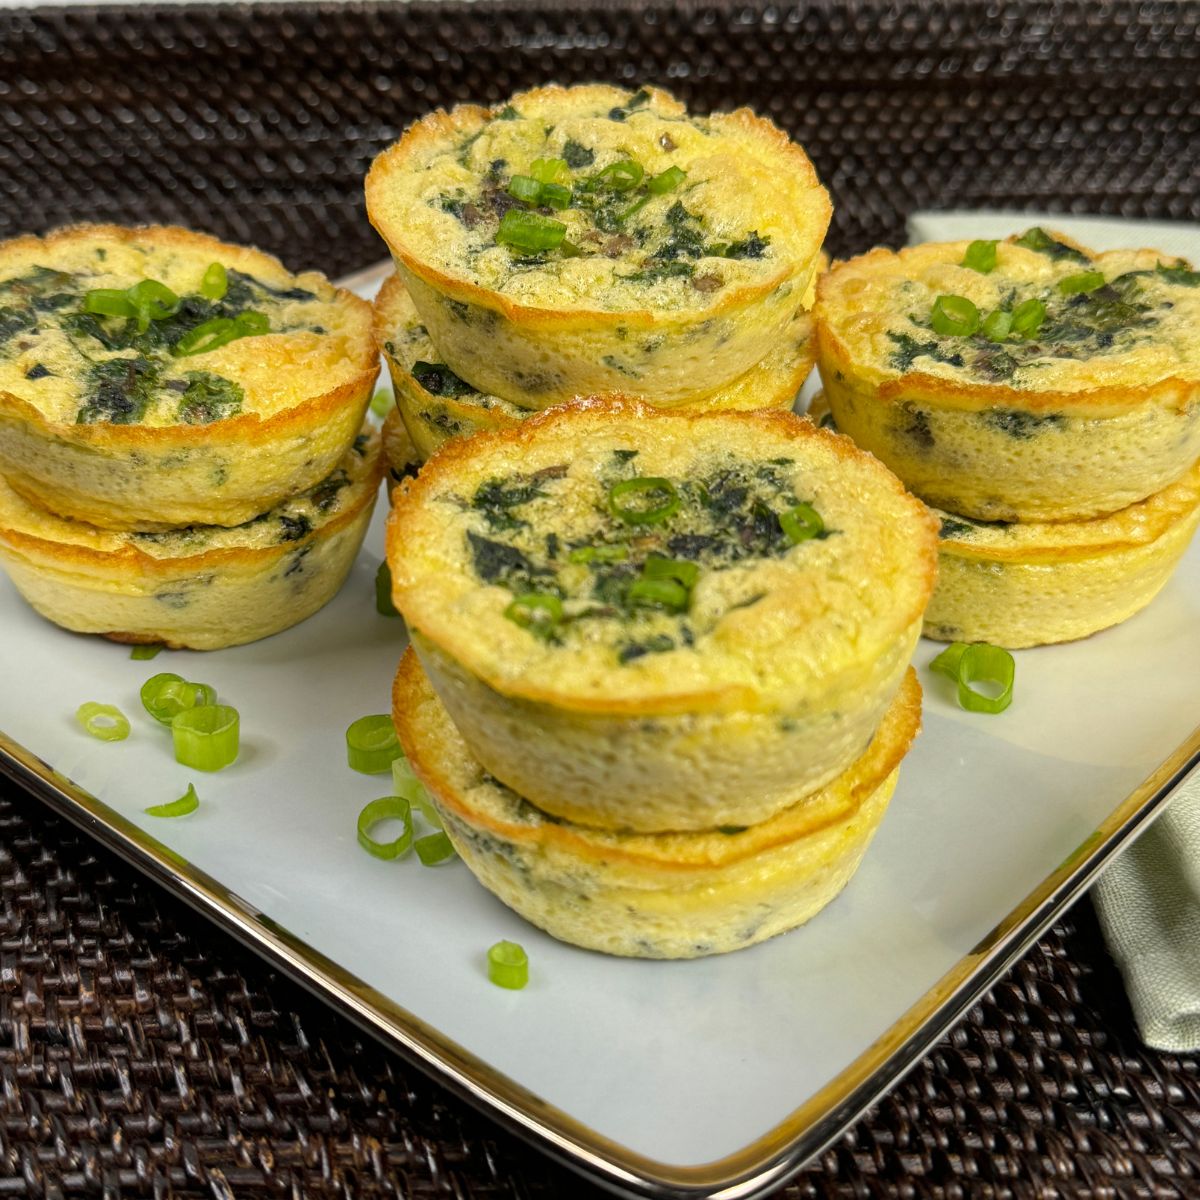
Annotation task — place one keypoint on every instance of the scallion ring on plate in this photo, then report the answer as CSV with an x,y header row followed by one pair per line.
x,y
166,695
978,663
372,745
103,721
646,500
145,652
206,737
386,808
508,965
406,785
434,848
187,803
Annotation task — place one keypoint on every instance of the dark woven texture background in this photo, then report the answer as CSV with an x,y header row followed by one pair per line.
x,y
258,124
143,1053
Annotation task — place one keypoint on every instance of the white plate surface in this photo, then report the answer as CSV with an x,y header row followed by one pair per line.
x,y
683,1063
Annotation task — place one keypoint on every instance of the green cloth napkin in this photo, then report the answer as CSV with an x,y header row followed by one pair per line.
x,y
1148,899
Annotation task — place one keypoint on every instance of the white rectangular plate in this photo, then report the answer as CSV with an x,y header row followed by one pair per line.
x,y
713,1077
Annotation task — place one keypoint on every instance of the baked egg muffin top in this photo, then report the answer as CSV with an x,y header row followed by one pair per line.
x,y
161,327
1035,313
597,198
607,552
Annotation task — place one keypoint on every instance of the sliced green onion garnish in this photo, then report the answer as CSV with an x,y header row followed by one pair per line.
x,y
647,500
550,170
1085,281
371,744
954,316
383,592
800,523
215,283
508,965
109,302
187,803
659,593
554,195
251,323
381,402
981,257
434,848
978,662
103,721
529,231
539,612
220,331
524,188
152,301
997,325
587,554
666,181
206,737
620,176
209,335
166,695
386,808
679,569
406,785
1027,318
146,652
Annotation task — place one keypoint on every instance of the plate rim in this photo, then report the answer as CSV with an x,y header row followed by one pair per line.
x,y
769,1160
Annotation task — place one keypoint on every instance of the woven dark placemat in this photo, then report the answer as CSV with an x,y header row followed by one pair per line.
x,y
144,1053
259,123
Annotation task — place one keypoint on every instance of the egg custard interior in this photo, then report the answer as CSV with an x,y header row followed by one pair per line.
x,y
1034,313
594,198
162,328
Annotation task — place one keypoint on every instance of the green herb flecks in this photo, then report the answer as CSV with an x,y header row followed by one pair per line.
x,y
438,380
209,398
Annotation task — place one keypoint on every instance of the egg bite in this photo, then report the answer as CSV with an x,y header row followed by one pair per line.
x,y
1030,584
1045,382
591,240
437,405
661,621
152,378
658,895
201,587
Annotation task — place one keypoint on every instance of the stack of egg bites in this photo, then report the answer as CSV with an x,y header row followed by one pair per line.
x,y
659,682
182,448
1046,400
593,241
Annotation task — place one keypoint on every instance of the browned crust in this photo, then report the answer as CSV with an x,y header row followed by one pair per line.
x,y
896,733
243,429
834,355
439,125
1147,521
131,560
409,495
